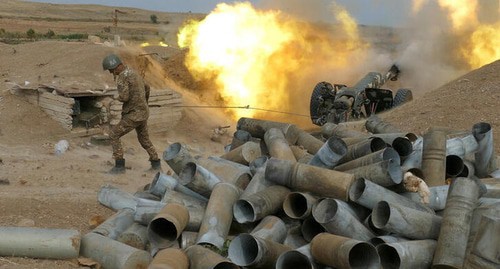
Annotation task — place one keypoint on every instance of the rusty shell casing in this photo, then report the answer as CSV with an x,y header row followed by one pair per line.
x,y
135,236
434,157
111,254
485,158
204,258
336,217
227,171
309,142
375,157
218,215
277,145
260,204
257,128
299,205
385,173
302,177
455,227
406,222
198,179
301,154
330,129
271,228
310,228
408,254
240,137
116,224
170,258
177,155
299,258
362,148
374,124
257,183
244,154
254,252
330,154
342,252
368,194
167,226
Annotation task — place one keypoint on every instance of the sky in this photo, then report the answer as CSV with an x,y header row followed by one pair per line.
x,y
368,12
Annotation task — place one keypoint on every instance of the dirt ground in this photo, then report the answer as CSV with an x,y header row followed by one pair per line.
x,y
40,189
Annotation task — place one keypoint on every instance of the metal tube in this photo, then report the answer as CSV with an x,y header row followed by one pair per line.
x,y
277,145
227,171
218,215
368,222
329,155
244,154
198,179
409,254
39,243
115,198
309,142
455,228
368,194
254,252
485,244
468,170
342,252
386,239
485,158
437,197
302,177
434,157
111,254
203,258
385,173
299,205
177,155
116,224
403,147
405,221
414,160
162,182
454,166
300,258
167,226
260,204
301,154
271,228
336,217
492,187
240,137
257,128
170,258
258,164
461,146
330,129
363,148
135,236
376,125
187,239
310,228
257,183
378,156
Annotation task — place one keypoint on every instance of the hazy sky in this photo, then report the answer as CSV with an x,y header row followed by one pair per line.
x,y
370,12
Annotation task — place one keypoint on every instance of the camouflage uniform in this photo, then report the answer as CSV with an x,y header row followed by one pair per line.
x,y
135,112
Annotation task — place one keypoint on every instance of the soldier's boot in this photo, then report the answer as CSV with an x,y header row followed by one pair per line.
x,y
155,165
119,167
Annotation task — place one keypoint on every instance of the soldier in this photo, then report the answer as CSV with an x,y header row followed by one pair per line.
x,y
134,94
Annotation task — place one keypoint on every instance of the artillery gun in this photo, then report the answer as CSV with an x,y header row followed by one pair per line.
x,y
338,103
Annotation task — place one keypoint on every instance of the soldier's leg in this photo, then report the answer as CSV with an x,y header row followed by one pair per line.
x,y
143,137
117,131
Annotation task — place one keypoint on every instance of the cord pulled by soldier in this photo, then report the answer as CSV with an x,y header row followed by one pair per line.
x,y
134,94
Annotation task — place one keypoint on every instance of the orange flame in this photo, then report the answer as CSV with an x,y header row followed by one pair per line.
x,y
479,43
262,58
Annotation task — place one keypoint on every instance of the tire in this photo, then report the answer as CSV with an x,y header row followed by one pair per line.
x,y
402,96
321,90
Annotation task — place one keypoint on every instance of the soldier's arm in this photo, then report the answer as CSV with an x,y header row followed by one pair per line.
x,y
123,91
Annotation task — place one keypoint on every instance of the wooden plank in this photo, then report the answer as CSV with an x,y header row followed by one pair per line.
x,y
59,98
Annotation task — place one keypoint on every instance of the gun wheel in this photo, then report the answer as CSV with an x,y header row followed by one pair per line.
x,y
402,96
321,90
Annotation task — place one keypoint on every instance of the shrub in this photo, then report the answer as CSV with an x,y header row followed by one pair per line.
x,y
154,18
50,34
31,33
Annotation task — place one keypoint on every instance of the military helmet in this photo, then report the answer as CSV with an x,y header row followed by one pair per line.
x,y
111,62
